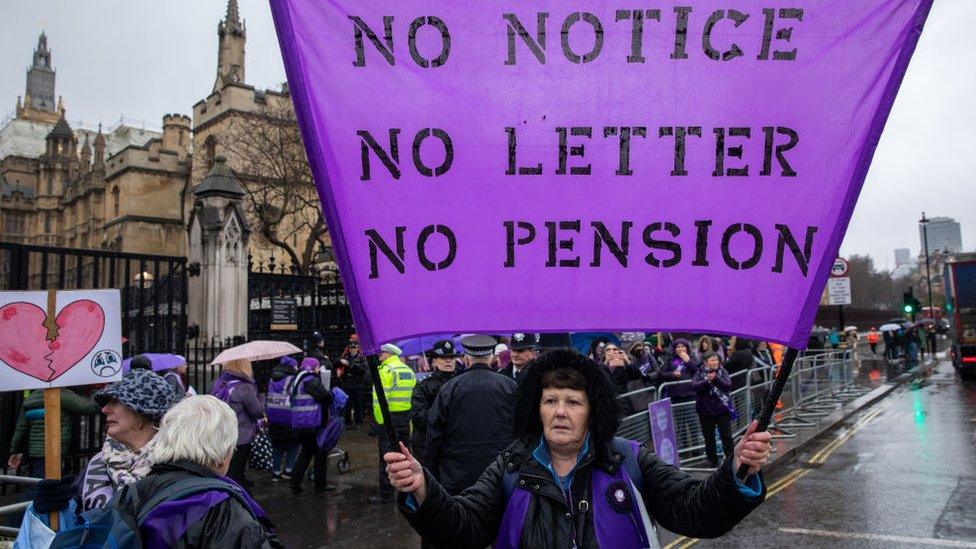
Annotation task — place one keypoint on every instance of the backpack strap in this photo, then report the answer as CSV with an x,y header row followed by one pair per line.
x,y
188,487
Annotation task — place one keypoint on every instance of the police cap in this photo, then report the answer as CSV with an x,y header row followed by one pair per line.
x,y
444,348
521,342
479,345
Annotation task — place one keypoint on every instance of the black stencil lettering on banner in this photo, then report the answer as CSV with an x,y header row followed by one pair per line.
x,y
701,242
537,46
512,150
667,245
601,234
784,34
757,248
786,239
623,168
734,51
448,152
565,151
445,41
555,245
597,37
376,242
425,234
680,134
390,160
359,27
511,241
734,151
637,30
680,32
785,169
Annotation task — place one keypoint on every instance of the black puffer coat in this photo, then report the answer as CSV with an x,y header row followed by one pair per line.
x,y
469,424
227,524
704,508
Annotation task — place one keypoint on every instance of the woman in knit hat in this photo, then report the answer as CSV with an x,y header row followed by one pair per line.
x,y
133,408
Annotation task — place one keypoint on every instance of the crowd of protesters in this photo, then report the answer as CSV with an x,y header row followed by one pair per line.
x,y
454,405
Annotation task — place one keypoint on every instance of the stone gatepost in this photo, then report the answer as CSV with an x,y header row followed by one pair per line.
x,y
217,258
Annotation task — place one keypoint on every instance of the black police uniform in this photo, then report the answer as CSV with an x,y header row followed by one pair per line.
x,y
519,342
423,398
470,422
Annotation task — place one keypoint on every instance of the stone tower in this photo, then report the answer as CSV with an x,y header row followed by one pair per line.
x,y
40,79
218,237
230,55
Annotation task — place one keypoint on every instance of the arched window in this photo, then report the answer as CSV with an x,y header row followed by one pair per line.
x,y
47,223
115,201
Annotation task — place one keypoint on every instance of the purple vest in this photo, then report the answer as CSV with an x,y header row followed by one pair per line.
x,y
278,402
306,412
618,517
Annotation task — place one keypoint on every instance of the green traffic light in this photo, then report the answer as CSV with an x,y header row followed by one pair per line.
x,y
908,309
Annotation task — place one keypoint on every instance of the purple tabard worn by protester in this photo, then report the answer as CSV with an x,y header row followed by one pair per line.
x,y
617,529
168,521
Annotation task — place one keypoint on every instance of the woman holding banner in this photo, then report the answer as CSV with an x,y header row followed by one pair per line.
x,y
567,481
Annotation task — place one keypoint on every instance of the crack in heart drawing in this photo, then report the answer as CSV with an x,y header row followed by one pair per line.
x,y
30,344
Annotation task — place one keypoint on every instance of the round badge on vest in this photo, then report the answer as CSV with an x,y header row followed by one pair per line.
x,y
618,496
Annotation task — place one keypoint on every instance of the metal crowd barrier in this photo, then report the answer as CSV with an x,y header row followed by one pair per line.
x,y
820,382
16,508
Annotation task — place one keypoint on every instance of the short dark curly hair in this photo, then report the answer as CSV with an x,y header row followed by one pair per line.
x,y
564,369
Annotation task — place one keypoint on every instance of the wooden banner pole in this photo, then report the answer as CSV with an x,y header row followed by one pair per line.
x,y
52,411
52,441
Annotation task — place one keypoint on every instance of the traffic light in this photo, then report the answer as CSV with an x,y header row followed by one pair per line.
x,y
908,303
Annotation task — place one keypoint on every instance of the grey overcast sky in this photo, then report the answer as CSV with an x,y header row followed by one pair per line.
x,y
142,59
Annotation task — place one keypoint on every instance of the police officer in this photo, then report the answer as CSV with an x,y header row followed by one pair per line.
x,y
397,380
524,348
442,358
470,422
318,352
310,402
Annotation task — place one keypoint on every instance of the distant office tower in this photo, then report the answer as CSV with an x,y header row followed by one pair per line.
x,y
903,256
943,233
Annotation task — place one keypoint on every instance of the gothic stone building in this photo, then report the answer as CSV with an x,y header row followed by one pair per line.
x,y
130,189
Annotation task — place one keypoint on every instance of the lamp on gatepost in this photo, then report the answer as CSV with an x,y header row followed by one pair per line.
x,y
925,245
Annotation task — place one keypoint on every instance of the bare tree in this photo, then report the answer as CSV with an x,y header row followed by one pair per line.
x,y
266,151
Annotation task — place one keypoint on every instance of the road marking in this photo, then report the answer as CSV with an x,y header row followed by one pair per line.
x,y
880,537
818,458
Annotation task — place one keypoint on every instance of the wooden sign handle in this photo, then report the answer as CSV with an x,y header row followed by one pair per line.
x,y
52,441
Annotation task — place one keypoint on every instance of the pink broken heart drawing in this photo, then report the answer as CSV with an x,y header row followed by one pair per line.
x,y
32,346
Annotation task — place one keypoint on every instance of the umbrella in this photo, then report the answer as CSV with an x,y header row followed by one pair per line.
x,y
900,320
257,350
419,345
926,321
890,327
850,328
159,361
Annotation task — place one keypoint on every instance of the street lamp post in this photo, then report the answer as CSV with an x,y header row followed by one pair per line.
x,y
925,244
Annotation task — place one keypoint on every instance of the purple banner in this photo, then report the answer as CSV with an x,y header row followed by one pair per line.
x,y
662,431
525,166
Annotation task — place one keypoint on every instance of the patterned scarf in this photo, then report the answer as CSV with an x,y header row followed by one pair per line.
x,y
114,467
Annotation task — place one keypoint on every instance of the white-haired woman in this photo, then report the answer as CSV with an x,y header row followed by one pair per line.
x,y
196,441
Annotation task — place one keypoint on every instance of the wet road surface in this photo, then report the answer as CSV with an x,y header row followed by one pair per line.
x,y
901,473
